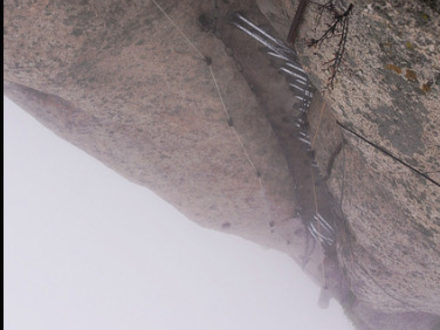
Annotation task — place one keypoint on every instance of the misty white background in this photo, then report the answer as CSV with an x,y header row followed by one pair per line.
x,y
87,249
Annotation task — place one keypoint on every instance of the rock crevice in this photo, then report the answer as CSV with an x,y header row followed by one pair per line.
x,y
172,96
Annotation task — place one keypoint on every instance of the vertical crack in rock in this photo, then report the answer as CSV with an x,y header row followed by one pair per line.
x,y
332,159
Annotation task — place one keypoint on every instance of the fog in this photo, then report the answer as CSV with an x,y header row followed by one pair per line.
x,y
87,249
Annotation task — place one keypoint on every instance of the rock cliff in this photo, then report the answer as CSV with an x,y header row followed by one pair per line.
x,y
173,97
385,102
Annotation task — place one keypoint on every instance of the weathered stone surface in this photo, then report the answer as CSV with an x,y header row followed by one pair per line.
x,y
124,84
133,86
387,87
135,94
386,177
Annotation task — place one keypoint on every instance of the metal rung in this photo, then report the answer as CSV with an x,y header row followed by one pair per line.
x,y
295,66
294,74
327,239
267,35
324,222
305,141
256,37
277,55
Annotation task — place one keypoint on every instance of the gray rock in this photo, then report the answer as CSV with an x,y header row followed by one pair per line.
x,y
386,174
170,95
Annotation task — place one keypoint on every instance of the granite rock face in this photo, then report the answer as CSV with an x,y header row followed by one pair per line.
x,y
170,95
150,90
386,104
